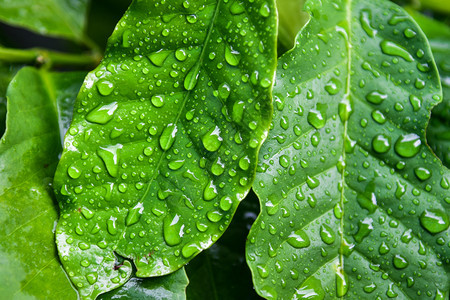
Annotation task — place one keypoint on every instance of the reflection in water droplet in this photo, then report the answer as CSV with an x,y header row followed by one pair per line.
x,y
212,139
408,145
232,56
376,97
381,143
190,81
110,156
105,88
392,48
298,239
172,230
158,58
102,114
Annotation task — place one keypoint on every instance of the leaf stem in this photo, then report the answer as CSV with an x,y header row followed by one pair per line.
x,y
48,57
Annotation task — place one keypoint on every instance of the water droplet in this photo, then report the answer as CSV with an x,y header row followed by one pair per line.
x,y
180,54
408,145
237,8
316,119
232,56
134,214
333,86
110,156
327,234
111,225
345,109
381,143
409,33
92,277
400,262
391,48
376,97
434,220
369,204
157,100
224,91
158,58
105,88
212,139
214,216
210,191
422,173
102,114
264,10
370,288
341,283
225,203
310,289
384,248
74,172
176,164
378,117
364,229
365,18
190,81
167,137
284,161
298,239
172,230
415,102
189,250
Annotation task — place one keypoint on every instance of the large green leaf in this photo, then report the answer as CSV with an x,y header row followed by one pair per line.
x,y
438,131
63,18
354,203
164,139
29,151
291,19
221,272
168,287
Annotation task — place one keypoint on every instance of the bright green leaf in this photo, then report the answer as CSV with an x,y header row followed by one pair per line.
x,y
169,287
354,203
29,151
164,139
62,18
291,19
438,131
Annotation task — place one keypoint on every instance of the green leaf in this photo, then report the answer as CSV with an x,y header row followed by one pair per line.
x,y
61,18
354,203
6,74
291,18
170,287
438,131
164,139
29,153
221,272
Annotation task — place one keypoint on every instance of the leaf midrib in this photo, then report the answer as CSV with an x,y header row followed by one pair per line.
x,y
177,118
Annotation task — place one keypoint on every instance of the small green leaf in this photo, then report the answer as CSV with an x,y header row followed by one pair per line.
x,y
354,203
62,18
166,129
29,153
168,287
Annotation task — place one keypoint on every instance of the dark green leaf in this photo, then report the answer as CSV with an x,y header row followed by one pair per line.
x,y
164,140
438,131
221,272
354,203
29,151
62,18
170,287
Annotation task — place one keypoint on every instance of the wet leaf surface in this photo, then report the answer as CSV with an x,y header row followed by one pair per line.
x,y
164,139
354,203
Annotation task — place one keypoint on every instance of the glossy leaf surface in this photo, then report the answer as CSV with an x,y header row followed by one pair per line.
x,y
438,131
168,287
164,139
63,18
6,74
29,151
354,203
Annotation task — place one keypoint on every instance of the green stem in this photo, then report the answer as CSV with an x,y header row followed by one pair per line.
x,y
48,57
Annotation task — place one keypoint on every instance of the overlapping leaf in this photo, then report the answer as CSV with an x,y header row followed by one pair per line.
x,y
64,18
29,151
438,131
164,138
354,203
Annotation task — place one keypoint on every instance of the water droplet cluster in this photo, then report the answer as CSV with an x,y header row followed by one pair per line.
x,y
353,201
165,136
